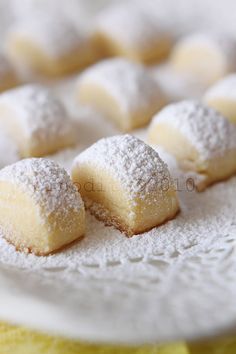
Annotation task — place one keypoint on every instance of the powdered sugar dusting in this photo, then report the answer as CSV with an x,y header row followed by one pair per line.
x,y
41,115
191,257
46,183
130,25
173,283
104,246
225,88
130,84
134,164
209,132
57,36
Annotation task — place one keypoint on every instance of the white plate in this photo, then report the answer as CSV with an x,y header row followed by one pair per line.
x,y
175,282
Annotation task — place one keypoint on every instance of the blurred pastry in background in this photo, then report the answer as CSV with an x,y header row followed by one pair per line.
x,y
51,46
8,75
208,56
48,211
128,30
36,120
222,97
124,91
124,183
200,138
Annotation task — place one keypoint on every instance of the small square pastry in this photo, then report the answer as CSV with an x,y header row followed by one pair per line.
x,y
36,120
201,139
128,30
124,183
222,97
209,56
51,46
8,76
125,92
41,210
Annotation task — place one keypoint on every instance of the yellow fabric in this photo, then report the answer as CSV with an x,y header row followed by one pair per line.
x,y
222,346
18,340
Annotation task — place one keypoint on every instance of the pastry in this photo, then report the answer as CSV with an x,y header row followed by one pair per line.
x,y
123,91
41,211
49,46
208,56
127,30
222,97
201,139
124,183
8,76
36,120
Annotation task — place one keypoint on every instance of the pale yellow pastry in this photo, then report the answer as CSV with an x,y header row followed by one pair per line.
x,y
36,120
222,97
49,45
127,30
125,92
124,183
41,211
8,76
207,56
201,139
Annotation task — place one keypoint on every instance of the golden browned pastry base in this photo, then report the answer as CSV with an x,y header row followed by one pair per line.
x,y
104,215
40,254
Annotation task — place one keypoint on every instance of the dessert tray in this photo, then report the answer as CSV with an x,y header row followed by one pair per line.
x,y
175,282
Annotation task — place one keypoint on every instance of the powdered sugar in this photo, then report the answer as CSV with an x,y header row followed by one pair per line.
x,y
73,10
130,26
173,283
55,36
46,183
41,115
130,84
191,257
224,89
209,132
130,161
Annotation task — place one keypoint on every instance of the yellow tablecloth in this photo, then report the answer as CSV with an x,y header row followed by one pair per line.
x,y
18,340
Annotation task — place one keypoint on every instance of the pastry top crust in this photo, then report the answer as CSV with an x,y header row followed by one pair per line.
x,y
47,184
209,132
38,111
129,83
130,25
136,166
225,88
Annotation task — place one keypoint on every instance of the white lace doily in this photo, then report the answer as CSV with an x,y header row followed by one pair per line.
x,y
175,282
